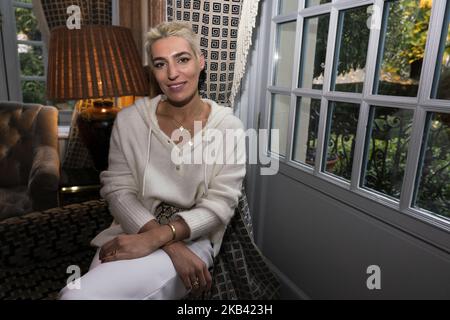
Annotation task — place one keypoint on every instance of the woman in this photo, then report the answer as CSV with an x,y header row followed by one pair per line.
x,y
139,258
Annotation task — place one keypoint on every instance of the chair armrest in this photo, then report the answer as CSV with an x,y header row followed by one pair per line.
x,y
43,235
44,178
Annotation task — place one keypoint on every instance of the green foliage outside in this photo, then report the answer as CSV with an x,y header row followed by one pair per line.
x,y
404,47
30,57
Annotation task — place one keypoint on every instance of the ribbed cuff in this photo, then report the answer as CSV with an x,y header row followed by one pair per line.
x,y
130,213
201,221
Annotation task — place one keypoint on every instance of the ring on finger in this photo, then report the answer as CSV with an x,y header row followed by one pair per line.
x,y
195,284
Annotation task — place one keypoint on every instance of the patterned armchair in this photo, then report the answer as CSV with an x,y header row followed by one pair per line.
x,y
36,250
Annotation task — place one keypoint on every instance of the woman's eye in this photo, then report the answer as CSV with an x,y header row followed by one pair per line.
x,y
183,60
158,65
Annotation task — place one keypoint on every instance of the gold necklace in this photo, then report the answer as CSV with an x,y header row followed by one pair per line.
x,y
179,124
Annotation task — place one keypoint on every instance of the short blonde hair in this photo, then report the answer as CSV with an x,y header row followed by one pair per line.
x,y
173,29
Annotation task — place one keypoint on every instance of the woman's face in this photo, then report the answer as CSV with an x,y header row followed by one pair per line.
x,y
176,69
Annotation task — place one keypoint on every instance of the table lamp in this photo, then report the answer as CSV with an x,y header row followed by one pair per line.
x,y
97,64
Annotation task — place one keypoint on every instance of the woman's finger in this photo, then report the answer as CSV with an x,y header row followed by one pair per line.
x,y
106,249
202,281
208,278
187,282
114,256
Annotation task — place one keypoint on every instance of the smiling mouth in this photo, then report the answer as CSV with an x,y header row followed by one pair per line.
x,y
176,86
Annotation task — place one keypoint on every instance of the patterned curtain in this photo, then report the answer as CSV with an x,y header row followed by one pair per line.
x,y
216,22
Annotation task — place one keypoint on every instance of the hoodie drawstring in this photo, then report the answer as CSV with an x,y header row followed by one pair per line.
x,y
204,178
147,158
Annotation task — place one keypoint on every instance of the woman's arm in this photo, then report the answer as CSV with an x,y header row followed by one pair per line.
x,y
189,266
120,188
217,206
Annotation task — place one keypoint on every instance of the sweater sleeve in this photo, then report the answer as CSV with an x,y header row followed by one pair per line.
x,y
217,207
120,189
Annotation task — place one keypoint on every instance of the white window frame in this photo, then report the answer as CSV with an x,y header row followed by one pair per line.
x,y
14,77
421,105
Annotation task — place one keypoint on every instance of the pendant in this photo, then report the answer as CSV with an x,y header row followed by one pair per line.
x,y
181,128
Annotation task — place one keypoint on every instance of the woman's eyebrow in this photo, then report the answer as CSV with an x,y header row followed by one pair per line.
x,y
176,55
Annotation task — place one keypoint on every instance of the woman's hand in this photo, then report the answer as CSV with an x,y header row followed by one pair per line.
x,y
190,268
134,246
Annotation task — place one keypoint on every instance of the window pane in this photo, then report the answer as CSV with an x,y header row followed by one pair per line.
x,y
341,137
406,28
351,50
284,56
31,60
33,91
386,150
314,49
287,6
310,3
433,184
26,24
442,85
306,130
279,120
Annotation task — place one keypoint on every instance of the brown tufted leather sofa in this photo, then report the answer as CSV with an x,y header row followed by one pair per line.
x,y
29,160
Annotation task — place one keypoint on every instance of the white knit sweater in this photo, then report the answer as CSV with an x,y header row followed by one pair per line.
x,y
141,174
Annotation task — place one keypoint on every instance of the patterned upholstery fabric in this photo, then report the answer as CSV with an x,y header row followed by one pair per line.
x,y
77,155
36,249
216,23
240,270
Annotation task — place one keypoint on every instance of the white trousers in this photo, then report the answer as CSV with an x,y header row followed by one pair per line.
x,y
148,278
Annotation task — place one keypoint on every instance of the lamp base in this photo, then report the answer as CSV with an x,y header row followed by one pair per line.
x,y
95,124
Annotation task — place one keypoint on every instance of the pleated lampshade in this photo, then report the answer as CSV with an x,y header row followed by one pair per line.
x,y
96,61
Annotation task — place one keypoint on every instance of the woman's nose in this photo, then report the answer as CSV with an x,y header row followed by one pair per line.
x,y
172,71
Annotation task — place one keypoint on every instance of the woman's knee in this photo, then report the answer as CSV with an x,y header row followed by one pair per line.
x,y
83,290
69,293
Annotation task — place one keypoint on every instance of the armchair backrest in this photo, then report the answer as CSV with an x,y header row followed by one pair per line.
x,y
23,128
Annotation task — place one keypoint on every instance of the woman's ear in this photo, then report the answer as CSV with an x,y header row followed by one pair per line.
x,y
202,61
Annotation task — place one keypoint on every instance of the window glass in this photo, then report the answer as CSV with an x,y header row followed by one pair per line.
x,y
405,29
386,149
442,85
341,138
351,50
26,24
306,130
310,3
433,187
279,120
284,55
287,6
31,60
33,91
314,49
